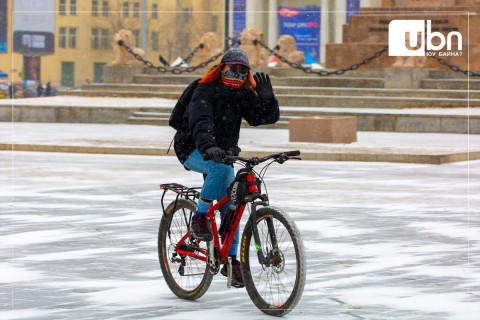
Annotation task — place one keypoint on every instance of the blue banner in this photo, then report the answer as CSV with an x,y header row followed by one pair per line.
x,y
353,6
3,25
239,7
304,25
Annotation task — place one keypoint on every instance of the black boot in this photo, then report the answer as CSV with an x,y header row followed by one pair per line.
x,y
200,227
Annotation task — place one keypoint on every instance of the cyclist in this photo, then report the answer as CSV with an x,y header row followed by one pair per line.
x,y
211,126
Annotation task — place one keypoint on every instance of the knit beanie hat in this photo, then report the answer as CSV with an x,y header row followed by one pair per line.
x,y
235,56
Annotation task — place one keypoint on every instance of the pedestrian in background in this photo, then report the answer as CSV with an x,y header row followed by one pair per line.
x,y
48,90
39,89
11,90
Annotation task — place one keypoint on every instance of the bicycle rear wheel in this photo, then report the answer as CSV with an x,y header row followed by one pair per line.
x,y
275,289
187,277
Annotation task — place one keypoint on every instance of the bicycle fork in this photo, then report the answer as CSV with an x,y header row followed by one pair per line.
x,y
267,261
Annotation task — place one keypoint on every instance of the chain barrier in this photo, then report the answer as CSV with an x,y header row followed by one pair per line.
x,y
456,68
161,69
190,56
294,65
322,73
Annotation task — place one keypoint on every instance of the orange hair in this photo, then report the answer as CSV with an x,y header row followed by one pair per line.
x,y
215,72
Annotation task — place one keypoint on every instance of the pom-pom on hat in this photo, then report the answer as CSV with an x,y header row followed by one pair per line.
x,y
235,56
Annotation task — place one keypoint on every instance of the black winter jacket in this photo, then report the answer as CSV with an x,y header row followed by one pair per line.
x,y
214,116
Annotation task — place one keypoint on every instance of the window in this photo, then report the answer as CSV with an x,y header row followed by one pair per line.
x,y
105,8
72,38
94,38
154,11
136,33
136,10
94,7
105,40
62,37
155,41
98,71
62,7
68,74
73,7
126,9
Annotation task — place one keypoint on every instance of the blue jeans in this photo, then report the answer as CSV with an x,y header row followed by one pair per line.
x,y
219,178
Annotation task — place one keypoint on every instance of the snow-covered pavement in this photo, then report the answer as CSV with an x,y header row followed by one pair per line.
x,y
383,240
150,139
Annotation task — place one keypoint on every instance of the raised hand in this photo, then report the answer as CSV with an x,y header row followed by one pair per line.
x,y
264,86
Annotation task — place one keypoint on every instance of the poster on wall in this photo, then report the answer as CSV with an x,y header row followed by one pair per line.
x,y
31,68
353,6
3,25
239,7
33,27
304,25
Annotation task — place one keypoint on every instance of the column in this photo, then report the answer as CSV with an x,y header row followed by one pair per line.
x,y
340,19
272,37
325,27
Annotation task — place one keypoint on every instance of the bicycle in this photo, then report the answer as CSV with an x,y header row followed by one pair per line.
x,y
271,250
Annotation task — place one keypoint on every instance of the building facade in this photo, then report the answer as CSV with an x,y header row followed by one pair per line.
x,y
84,31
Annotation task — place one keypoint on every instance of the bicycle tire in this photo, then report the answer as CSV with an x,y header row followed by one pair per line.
x,y
198,279
259,287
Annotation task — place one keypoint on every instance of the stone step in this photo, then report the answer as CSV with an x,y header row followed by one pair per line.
x,y
283,72
329,101
387,122
372,102
134,87
303,81
451,84
419,9
377,92
148,121
443,74
126,94
164,114
163,121
450,121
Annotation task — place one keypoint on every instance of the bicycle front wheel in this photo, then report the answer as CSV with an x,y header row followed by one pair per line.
x,y
277,288
187,276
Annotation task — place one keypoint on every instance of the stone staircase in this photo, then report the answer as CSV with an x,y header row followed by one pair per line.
x,y
361,93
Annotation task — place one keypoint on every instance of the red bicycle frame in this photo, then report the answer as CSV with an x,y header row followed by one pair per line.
x,y
223,249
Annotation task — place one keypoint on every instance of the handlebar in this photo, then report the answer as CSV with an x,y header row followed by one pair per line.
x,y
279,157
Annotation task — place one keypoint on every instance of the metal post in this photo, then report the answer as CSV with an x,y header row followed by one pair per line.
x,y
144,26
227,22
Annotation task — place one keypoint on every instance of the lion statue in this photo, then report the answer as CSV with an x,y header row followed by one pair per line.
x,y
211,47
288,49
122,57
413,61
257,55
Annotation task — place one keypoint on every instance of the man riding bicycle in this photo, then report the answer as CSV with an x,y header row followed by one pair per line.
x,y
211,126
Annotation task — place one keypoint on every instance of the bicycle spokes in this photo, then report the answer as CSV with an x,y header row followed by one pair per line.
x,y
274,279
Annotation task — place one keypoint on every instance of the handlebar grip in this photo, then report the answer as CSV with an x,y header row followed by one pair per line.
x,y
293,153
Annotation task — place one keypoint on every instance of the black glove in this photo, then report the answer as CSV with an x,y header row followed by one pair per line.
x,y
215,154
234,151
264,86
